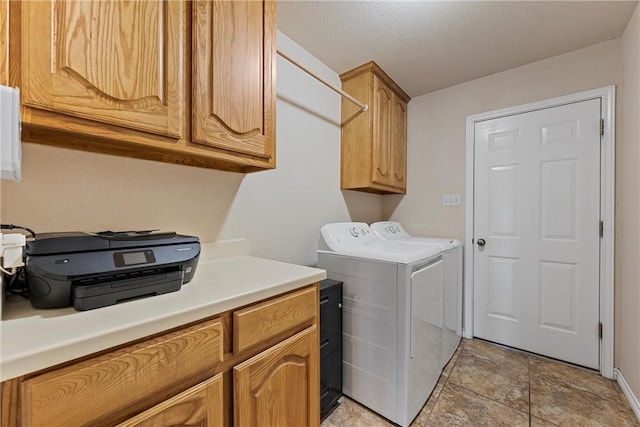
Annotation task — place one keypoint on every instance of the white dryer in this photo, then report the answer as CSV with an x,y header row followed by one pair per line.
x,y
392,319
452,290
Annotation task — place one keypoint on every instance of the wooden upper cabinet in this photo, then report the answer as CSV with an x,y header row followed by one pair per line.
x,y
112,62
374,142
234,77
175,81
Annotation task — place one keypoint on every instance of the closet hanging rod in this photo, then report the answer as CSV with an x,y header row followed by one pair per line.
x,y
362,106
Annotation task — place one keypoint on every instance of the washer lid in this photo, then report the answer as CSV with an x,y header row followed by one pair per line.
x,y
357,239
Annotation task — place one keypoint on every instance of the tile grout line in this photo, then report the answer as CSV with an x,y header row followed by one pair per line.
x,y
435,402
529,378
490,398
487,397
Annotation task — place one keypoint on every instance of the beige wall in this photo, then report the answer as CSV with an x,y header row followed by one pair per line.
x,y
436,130
279,212
627,322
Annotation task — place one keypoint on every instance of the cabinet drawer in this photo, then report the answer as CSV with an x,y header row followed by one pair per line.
x,y
121,383
262,322
202,405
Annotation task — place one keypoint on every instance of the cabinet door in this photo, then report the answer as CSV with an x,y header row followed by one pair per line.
x,y
113,62
280,386
382,107
234,77
202,405
398,143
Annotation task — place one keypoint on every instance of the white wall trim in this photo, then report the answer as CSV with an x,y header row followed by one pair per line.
x,y
628,393
607,204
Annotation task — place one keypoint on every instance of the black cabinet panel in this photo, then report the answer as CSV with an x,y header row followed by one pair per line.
x,y
330,382
330,320
330,345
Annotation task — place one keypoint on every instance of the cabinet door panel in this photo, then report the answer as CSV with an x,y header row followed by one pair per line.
x,y
398,143
382,99
202,405
280,386
113,62
234,76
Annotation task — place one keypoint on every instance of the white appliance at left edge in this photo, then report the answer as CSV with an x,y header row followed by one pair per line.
x,y
392,317
10,150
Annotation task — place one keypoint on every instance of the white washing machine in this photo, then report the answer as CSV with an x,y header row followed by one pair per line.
x,y
392,317
452,289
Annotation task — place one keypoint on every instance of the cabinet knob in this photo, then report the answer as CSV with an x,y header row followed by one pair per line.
x,y
339,305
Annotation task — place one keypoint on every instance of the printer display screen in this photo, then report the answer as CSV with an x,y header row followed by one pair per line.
x,y
134,258
125,259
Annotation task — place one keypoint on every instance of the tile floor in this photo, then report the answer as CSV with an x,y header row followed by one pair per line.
x,y
488,385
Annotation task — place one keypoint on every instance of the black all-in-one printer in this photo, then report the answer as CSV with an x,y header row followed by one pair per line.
x,y
91,270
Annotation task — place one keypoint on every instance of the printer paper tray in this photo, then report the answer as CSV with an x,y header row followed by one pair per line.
x,y
87,297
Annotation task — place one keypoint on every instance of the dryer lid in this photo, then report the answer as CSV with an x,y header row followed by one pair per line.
x,y
358,240
392,230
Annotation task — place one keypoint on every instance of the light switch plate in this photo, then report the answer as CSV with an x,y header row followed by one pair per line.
x,y
451,199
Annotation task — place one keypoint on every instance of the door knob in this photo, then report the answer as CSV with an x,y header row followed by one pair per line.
x,y
481,242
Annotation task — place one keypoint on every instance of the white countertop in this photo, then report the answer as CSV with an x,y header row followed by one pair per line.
x,y
35,339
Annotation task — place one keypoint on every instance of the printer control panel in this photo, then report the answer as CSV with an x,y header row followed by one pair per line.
x,y
126,259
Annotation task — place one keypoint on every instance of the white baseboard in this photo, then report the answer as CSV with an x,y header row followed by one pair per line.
x,y
628,393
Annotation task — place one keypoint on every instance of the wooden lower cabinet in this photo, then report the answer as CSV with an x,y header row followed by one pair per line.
x,y
190,376
280,386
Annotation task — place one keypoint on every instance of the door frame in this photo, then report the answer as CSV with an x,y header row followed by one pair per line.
x,y
607,203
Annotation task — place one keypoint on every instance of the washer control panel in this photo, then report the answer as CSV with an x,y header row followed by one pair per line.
x,y
348,234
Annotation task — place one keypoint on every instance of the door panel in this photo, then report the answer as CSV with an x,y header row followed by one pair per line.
x,y
399,143
382,99
503,198
558,197
557,295
537,193
501,288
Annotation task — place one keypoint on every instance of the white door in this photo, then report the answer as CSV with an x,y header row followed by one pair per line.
x,y
536,210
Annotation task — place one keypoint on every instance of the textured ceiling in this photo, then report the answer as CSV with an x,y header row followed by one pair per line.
x,y
429,45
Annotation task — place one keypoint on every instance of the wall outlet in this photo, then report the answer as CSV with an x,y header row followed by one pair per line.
x,y
11,249
451,199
